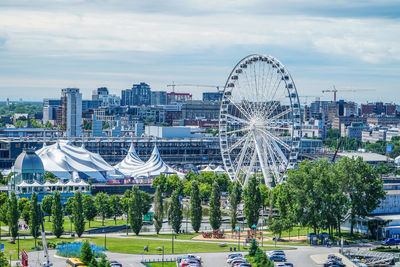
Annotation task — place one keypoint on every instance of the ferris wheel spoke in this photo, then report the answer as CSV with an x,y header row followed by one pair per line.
x,y
283,113
238,143
257,120
242,156
276,151
237,119
281,142
250,170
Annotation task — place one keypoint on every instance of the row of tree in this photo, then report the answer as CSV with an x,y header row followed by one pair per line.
x,y
320,195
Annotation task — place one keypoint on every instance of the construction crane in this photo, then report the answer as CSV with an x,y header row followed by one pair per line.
x,y
306,97
334,91
173,85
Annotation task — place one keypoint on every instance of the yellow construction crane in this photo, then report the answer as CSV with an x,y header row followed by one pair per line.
x,y
334,91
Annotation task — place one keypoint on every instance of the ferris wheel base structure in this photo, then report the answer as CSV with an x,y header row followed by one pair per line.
x,y
260,121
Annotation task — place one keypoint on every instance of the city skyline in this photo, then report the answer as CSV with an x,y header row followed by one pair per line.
x,y
50,45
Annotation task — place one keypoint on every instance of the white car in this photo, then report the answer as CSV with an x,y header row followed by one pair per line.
x,y
237,258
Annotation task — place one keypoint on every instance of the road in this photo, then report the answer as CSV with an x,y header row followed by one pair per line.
x,y
299,256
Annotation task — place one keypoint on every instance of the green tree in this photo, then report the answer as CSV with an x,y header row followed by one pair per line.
x,y
77,214
69,206
160,181
46,205
48,125
13,215
252,202
253,248
89,208
261,260
205,191
215,207
3,208
86,253
158,209
22,203
172,183
135,210
25,214
34,223
58,215
176,212
146,202
364,186
49,176
102,206
234,197
116,207
3,260
195,207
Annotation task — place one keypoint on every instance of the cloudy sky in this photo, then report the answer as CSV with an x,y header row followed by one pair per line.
x,y
46,45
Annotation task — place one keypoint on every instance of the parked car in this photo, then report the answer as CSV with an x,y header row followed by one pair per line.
x,y
390,242
234,255
191,256
331,263
237,258
115,264
190,263
245,265
277,257
285,264
238,261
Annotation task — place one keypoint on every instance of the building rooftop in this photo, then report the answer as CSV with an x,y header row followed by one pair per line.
x,y
366,156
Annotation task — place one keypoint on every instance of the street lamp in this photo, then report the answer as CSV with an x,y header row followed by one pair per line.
x,y
105,239
238,229
172,237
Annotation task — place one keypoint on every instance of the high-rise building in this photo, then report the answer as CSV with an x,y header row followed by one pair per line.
x,y
173,98
71,101
102,91
158,98
126,97
140,94
212,96
50,110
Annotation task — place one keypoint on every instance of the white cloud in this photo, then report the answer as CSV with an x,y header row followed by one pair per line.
x,y
370,40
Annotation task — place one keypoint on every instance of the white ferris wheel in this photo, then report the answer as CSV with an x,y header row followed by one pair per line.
x,y
260,121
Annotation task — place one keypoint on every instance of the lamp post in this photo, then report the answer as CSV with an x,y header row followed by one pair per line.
x,y
162,256
18,246
172,237
105,239
238,229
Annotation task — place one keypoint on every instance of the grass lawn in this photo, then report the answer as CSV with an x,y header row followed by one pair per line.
x,y
93,224
130,245
179,236
160,264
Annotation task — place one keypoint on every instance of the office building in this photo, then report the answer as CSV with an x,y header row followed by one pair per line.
x,y
173,98
50,110
212,96
158,98
71,100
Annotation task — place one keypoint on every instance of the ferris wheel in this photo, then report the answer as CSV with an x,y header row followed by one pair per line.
x,y
260,121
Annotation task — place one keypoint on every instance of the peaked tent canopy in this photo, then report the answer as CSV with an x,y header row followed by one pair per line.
x,y
63,160
153,167
130,163
207,169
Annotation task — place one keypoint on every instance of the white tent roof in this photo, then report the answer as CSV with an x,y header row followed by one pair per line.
x,y
154,167
62,159
207,169
23,184
130,163
219,169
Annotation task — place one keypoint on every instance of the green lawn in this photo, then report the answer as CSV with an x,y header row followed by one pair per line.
x,y
179,236
161,264
93,224
130,245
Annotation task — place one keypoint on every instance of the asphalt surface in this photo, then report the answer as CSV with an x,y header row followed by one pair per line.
x,y
299,257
